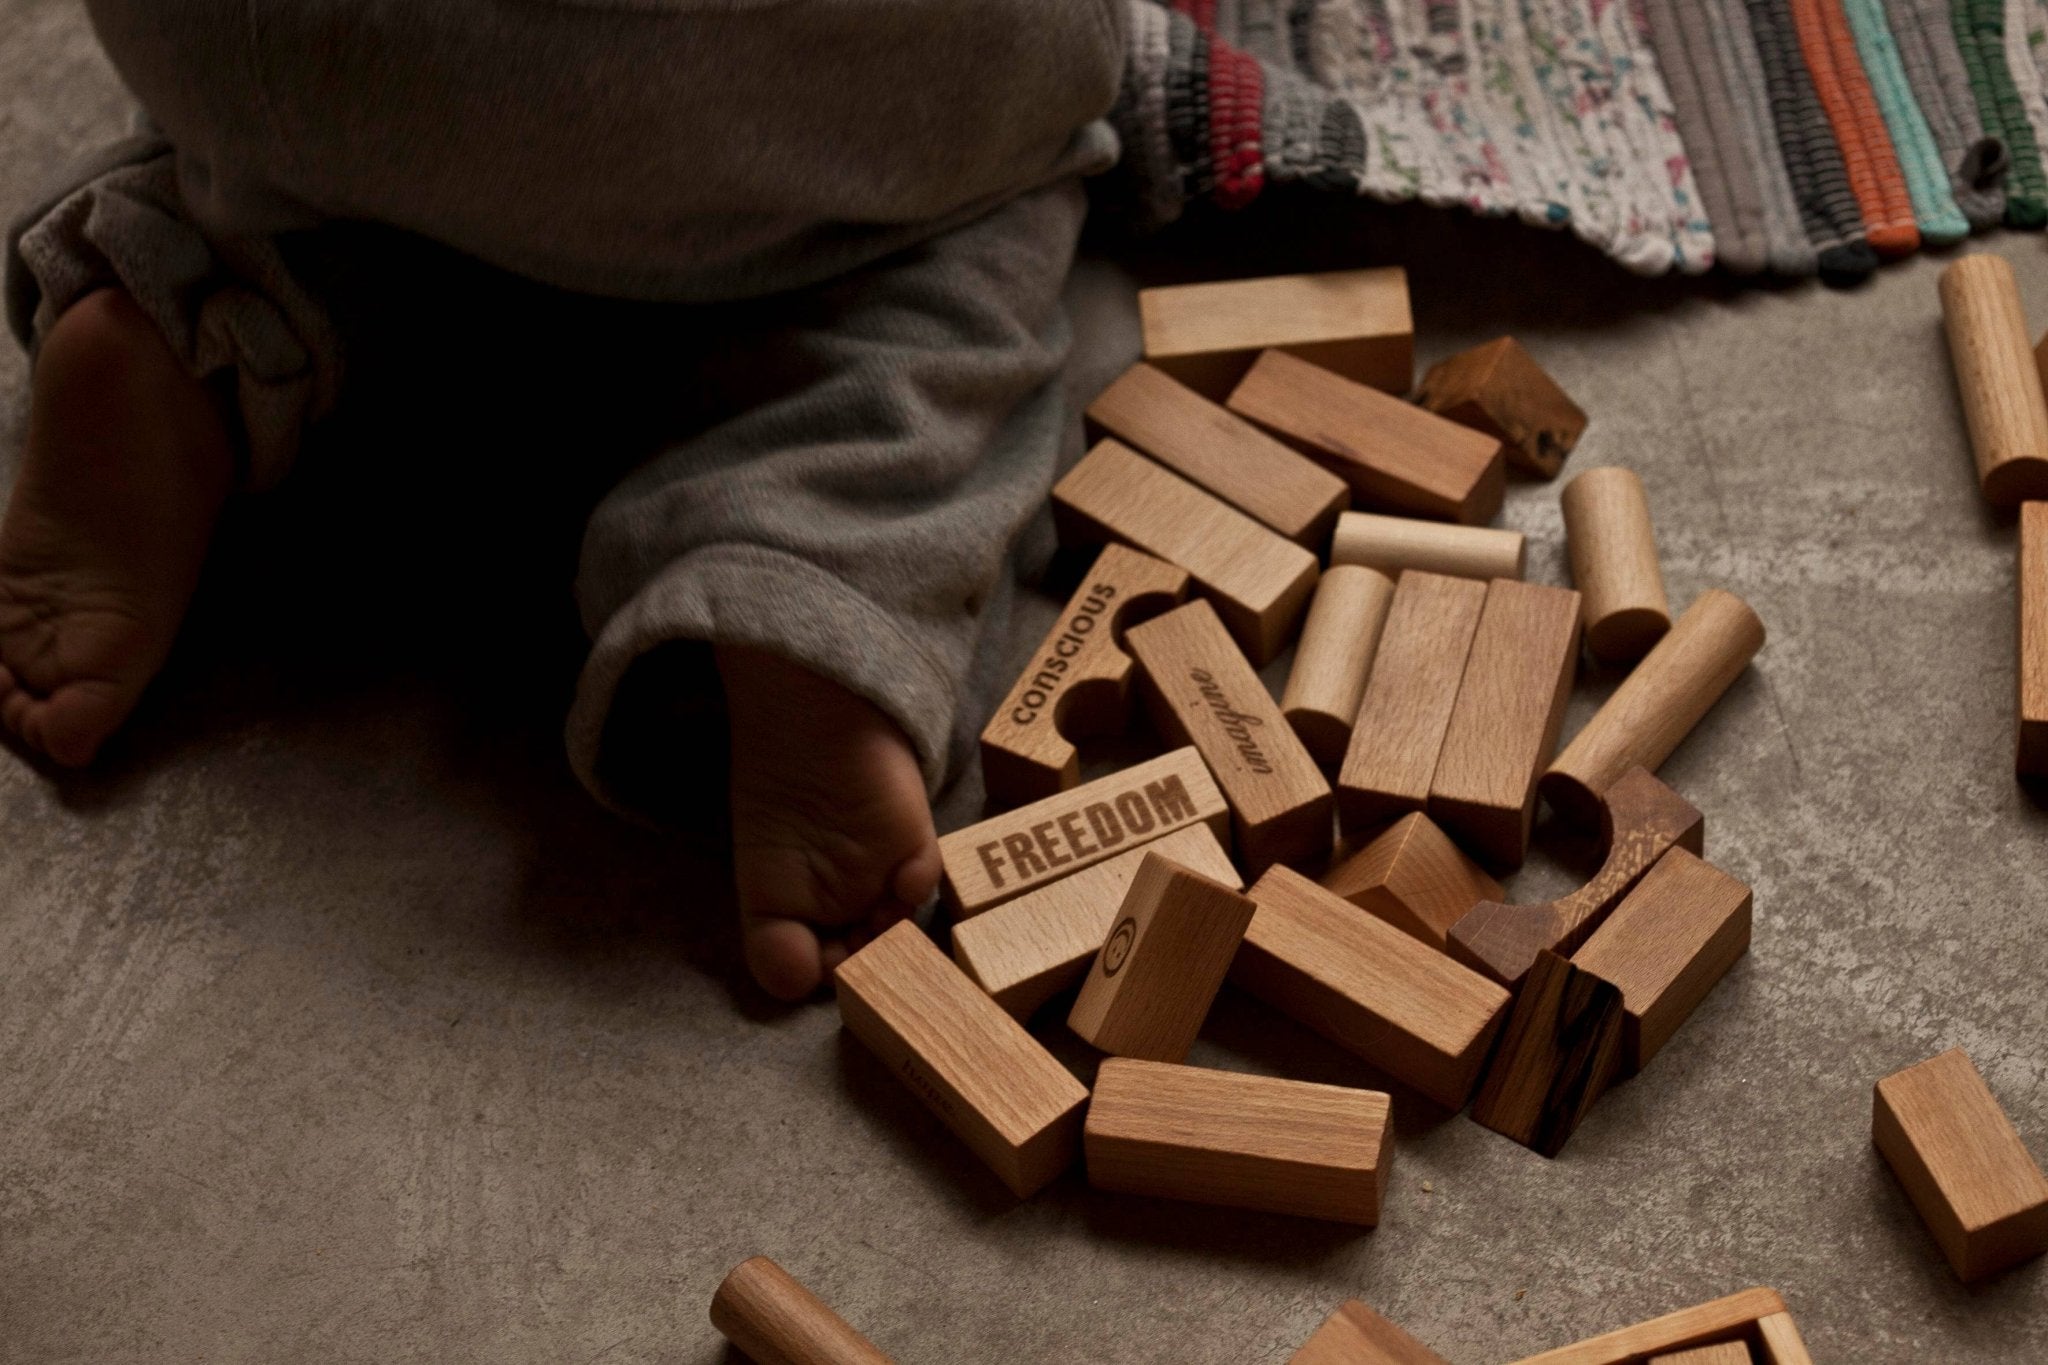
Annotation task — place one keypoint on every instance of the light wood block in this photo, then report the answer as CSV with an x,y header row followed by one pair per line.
x,y
1334,657
1395,544
1658,704
1779,1342
1642,820
1007,855
1206,443
1997,378
1026,951
1079,683
1368,987
1409,697
1200,690
1499,389
1260,581
1412,876
762,1309
1732,1318
1614,564
1721,1353
991,1082
1355,1335
1503,730
1559,1051
1249,1142
2032,747
1962,1164
1396,457
1665,946
1354,322
1158,972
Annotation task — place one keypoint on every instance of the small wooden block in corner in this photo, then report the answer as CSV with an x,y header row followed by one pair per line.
x,y
1720,1353
768,1314
991,1082
1559,1051
1499,389
1334,658
1734,1318
1412,876
1152,984
2000,383
2032,748
1354,322
1079,681
1962,1164
1252,1142
1355,1335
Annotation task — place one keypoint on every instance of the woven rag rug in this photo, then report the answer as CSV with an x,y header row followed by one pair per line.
x,y
1797,137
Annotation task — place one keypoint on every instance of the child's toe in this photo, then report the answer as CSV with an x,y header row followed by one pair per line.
x,y
784,957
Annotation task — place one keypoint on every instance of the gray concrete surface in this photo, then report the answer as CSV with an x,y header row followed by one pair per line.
x,y
336,1025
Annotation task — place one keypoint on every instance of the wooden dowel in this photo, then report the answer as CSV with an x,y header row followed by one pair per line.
x,y
1614,564
1997,377
1391,544
1334,656
761,1309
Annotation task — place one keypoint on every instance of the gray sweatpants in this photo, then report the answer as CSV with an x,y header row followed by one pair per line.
x,y
894,181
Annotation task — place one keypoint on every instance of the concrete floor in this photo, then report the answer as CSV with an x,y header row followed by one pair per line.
x,y
338,1025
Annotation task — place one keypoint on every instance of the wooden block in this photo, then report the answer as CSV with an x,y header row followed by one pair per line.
x,y
1732,1318
762,1309
1503,730
1334,656
1007,1097
1396,456
1079,683
1614,564
1665,946
1021,850
2032,748
1642,820
1248,1142
1560,1050
1721,1353
1355,1335
1962,1164
1368,987
1259,581
1658,704
1158,972
1206,443
1499,389
1408,699
1355,322
1200,690
1998,380
1412,876
1779,1342
1026,951
1395,544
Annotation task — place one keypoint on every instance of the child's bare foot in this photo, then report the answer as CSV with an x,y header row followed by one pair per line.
x,y
126,467
832,835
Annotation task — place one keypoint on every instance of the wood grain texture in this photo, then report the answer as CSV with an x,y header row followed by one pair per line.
x,y
1559,1051
1963,1165
1354,322
1368,987
1412,876
1779,1341
1205,442
1078,685
2031,748
1658,704
1665,946
1732,1318
1409,697
1199,689
1026,951
762,1309
1614,563
1334,657
1355,1335
1641,819
1498,388
992,1083
1393,544
1260,581
1151,985
1250,1142
1721,1353
1396,456
1997,378
1503,729
1007,855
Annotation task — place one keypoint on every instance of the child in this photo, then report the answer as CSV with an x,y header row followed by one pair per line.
x,y
895,180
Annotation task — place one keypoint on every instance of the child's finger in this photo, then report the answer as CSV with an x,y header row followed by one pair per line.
x,y
784,956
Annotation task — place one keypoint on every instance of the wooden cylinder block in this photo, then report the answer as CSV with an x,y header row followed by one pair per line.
x,y
764,1311
1391,544
1614,564
1334,656
1997,378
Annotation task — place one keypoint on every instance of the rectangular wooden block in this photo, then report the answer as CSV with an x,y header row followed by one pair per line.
x,y
1259,580
1721,1353
1560,1051
1366,986
1733,1318
1355,322
2032,759
1205,442
1962,1164
1665,946
1355,1335
1250,1142
1200,690
1026,951
1503,728
1412,876
1409,697
1779,1342
1396,457
1021,850
991,1082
